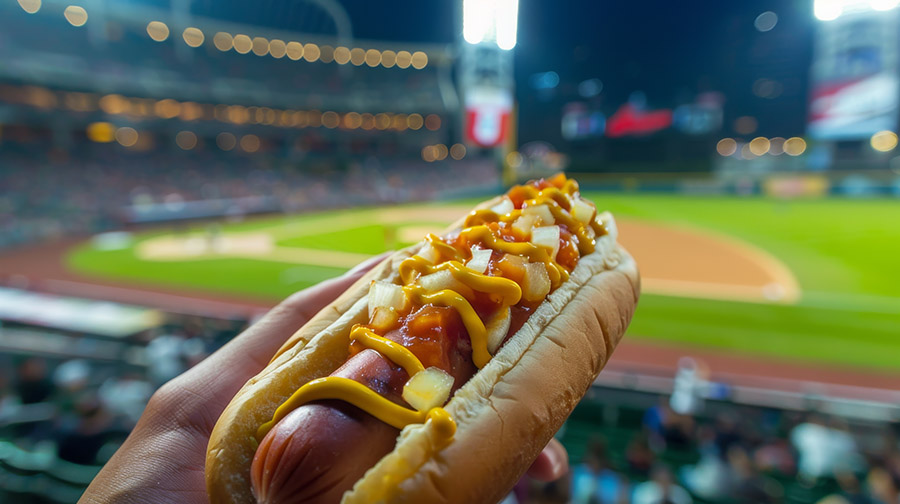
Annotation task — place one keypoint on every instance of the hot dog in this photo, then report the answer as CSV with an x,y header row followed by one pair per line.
x,y
510,315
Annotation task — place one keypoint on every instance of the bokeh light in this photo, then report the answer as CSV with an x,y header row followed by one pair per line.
x,y
326,54
726,147
433,122
330,119
419,60
428,153
766,21
294,50
75,15
373,57
883,141
260,46
250,143
242,43
127,136
759,146
776,146
311,52
277,48
794,146
458,151
187,140
404,59
226,141
415,121
193,36
388,58
101,132
342,55
158,30
357,56
30,6
223,41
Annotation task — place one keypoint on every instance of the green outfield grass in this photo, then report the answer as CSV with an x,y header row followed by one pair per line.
x,y
845,254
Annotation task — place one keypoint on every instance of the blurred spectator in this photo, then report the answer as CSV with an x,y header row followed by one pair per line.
x,y
126,396
80,438
882,486
711,478
639,456
690,386
749,486
823,448
851,489
661,489
33,383
166,357
775,456
594,480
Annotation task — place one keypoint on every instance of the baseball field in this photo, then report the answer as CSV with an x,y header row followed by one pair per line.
x,y
809,280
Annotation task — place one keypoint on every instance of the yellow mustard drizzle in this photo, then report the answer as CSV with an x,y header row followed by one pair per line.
x,y
558,274
364,398
508,290
394,351
502,290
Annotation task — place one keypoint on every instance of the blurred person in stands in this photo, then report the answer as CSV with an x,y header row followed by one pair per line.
x,y
711,478
666,427
9,402
639,456
126,395
851,488
748,485
595,481
33,382
81,437
775,456
661,489
689,389
821,447
882,486
71,379
165,357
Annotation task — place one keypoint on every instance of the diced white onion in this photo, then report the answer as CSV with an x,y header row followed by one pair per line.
x,y
582,211
383,318
497,327
536,284
480,259
504,207
429,253
542,211
524,224
428,389
547,237
441,280
387,295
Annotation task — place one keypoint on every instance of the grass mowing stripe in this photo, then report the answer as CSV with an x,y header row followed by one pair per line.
x,y
804,333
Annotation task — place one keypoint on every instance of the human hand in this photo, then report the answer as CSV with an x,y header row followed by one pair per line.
x,y
162,461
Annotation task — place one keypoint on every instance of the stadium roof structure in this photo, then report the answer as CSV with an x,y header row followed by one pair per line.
x,y
144,51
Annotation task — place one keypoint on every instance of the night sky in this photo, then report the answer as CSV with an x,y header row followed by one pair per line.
x,y
669,50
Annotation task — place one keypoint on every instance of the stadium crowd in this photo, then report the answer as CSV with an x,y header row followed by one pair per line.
x,y
48,194
735,454
76,412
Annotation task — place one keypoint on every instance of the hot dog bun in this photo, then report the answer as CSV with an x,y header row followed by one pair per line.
x,y
505,414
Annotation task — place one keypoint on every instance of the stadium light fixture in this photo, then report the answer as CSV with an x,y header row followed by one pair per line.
x,y
829,10
491,21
